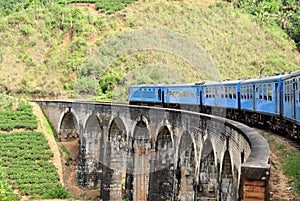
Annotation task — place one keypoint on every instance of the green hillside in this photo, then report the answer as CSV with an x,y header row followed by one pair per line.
x,y
59,50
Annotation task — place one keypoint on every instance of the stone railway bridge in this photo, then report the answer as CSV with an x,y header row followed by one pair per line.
x,y
144,153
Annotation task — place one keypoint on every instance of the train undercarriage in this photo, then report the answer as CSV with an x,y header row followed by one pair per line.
x,y
286,127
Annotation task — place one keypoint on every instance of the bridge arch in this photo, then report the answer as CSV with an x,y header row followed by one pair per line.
x,y
227,180
239,151
207,187
93,130
186,165
162,166
114,170
91,142
141,145
68,125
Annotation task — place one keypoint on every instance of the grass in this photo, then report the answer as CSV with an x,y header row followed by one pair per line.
x,y
289,158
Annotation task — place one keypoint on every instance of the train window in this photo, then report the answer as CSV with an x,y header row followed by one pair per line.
x,y
226,92
221,92
261,92
234,92
193,94
270,92
206,92
198,92
213,93
264,92
230,92
258,92
189,94
242,92
288,93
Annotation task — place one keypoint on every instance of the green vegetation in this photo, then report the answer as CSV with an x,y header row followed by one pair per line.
x,y
6,193
25,155
22,117
290,160
111,7
53,48
282,13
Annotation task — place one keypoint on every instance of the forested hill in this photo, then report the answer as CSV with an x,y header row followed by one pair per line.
x,y
53,48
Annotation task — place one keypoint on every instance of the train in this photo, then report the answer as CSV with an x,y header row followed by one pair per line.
x,y
271,102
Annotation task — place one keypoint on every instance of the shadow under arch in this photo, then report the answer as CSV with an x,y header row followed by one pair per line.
x,y
207,187
68,128
141,145
162,172
185,172
114,168
227,180
88,158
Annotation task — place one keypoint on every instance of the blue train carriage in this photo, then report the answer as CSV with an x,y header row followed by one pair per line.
x,y
260,101
291,103
146,95
183,96
222,96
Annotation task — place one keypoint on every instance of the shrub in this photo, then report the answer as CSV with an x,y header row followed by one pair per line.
x,y
58,192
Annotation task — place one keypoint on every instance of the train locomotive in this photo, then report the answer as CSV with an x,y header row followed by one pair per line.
x,y
271,102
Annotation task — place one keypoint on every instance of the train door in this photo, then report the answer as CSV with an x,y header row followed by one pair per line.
x,y
159,93
276,98
297,95
255,93
294,91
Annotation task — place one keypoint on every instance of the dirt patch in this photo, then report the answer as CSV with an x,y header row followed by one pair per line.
x,y
281,187
69,173
50,138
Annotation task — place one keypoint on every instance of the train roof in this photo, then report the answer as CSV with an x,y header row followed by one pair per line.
x,y
147,85
230,82
182,85
263,79
293,74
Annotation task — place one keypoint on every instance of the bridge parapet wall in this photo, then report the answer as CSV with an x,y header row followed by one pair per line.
x,y
146,153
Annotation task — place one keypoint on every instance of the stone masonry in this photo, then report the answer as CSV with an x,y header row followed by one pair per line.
x,y
147,153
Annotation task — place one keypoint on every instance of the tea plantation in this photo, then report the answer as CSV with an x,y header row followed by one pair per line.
x,y
25,157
